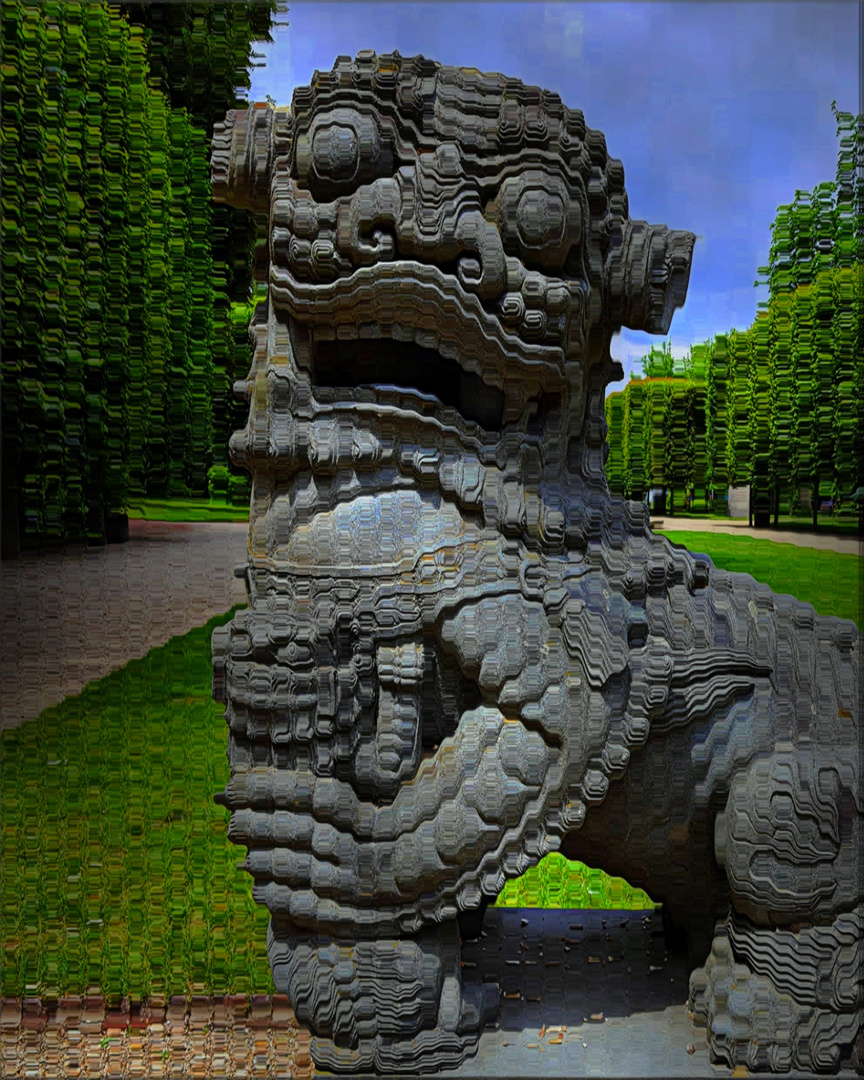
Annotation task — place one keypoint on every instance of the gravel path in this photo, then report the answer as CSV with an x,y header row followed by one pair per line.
x,y
202,1038
71,618
584,993
845,545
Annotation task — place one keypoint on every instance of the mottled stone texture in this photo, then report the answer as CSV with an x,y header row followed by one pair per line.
x,y
460,652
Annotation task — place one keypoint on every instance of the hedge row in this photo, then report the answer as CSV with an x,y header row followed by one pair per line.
x,y
778,406
123,285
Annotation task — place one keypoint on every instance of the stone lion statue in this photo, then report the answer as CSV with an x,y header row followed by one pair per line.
x,y
460,651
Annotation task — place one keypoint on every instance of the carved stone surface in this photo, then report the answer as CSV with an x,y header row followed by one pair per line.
x,y
460,652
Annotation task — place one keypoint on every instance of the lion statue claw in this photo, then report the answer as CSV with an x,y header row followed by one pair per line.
x,y
460,651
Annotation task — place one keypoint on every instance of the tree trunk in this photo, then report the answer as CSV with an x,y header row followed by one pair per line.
x,y
814,498
750,506
11,537
776,502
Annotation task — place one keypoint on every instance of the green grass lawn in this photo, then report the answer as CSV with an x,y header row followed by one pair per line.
x,y
187,510
116,874
830,581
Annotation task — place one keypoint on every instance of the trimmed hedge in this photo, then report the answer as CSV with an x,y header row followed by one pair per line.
x,y
123,287
779,406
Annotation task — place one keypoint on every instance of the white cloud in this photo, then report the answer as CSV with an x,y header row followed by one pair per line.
x,y
562,30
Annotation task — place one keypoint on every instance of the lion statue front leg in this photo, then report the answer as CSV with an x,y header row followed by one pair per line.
x,y
385,1004
369,900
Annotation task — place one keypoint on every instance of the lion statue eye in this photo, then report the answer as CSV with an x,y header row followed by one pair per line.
x,y
340,150
539,219
335,153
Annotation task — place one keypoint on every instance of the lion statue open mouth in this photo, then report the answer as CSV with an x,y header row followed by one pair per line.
x,y
460,652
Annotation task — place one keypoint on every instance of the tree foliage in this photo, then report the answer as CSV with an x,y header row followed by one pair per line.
x,y
635,472
121,280
615,463
200,54
779,406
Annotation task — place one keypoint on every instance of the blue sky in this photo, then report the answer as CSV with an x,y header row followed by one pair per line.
x,y
719,112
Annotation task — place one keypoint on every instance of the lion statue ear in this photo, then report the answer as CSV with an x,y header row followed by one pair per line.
x,y
241,156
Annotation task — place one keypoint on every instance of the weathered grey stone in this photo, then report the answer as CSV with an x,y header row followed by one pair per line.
x,y
460,651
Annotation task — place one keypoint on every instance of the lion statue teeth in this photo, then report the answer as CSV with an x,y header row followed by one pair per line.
x,y
460,651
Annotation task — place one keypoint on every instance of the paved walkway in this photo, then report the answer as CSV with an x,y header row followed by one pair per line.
x,y
583,993
67,619
847,545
